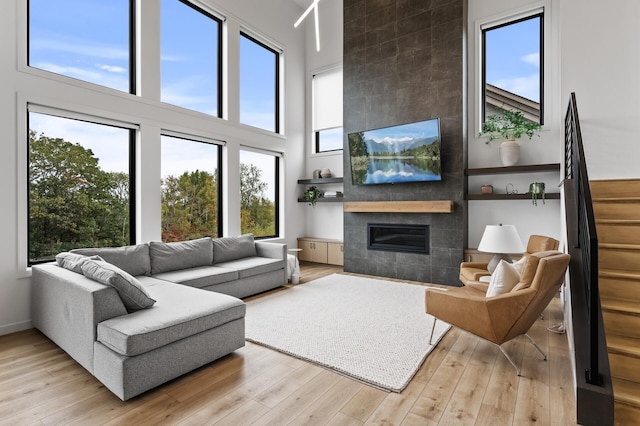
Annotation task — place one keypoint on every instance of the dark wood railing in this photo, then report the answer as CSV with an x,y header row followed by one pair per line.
x,y
594,391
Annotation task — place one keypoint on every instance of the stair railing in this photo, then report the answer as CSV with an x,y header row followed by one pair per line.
x,y
594,392
587,237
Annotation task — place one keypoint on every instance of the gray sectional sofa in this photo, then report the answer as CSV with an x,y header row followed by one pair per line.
x,y
138,316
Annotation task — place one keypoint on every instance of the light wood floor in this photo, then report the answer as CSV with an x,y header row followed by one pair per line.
x,y
465,380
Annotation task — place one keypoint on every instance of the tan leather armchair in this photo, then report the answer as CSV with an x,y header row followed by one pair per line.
x,y
501,318
473,271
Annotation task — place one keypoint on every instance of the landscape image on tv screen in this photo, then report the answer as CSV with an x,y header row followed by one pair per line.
x,y
398,154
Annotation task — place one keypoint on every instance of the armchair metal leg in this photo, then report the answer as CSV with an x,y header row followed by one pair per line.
x,y
510,360
536,345
433,327
518,370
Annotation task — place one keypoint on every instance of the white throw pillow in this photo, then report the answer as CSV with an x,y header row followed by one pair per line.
x,y
485,279
503,279
520,263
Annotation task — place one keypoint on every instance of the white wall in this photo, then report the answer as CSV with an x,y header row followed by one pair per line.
x,y
528,219
272,20
601,64
325,220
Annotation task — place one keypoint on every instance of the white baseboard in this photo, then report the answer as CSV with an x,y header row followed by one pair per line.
x,y
15,327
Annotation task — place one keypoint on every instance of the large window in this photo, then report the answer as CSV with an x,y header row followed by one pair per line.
x,y
259,195
191,57
80,185
513,58
259,84
327,110
90,40
191,172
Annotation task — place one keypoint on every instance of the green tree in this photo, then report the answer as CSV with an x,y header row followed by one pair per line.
x,y
72,202
257,212
189,206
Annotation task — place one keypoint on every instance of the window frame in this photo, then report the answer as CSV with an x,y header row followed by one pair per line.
x,y
278,57
317,138
277,157
132,51
219,164
60,113
220,58
501,23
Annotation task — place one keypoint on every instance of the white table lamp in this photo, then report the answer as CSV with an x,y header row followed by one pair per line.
x,y
500,240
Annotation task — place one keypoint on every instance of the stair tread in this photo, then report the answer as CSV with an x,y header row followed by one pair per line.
x,y
626,306
626,391
629,222
619,246
624,345
616,273
615,199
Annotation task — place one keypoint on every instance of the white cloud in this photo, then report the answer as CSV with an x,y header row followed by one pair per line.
x,y
528,87
112,68
531,59
81,47
392,140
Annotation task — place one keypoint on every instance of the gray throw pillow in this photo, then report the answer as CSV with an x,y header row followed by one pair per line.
x,y
180,255
232,248
72,261
133,295
131,259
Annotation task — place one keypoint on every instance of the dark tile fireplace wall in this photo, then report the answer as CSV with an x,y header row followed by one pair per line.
x,y
403,62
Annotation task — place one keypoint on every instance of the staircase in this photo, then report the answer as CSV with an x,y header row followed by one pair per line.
x,y
617,211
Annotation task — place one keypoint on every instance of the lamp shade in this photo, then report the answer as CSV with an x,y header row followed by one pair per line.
x,y
501,239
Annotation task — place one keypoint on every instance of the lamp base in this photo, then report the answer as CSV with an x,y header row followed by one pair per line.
x,y
493,263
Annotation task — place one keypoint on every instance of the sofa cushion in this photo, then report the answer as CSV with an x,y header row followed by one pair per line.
x,y
232,248
202,276
73,261
180,255
131,259
133,294
179,312
250,266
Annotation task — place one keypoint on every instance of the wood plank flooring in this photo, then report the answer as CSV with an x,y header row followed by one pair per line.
x,y
465,380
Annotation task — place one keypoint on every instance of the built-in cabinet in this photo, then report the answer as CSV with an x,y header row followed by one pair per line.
x,y
321,250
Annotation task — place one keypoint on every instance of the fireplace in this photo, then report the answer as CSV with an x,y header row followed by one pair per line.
x,y
400,238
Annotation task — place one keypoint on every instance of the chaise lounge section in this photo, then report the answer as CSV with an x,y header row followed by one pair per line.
x,y
131,348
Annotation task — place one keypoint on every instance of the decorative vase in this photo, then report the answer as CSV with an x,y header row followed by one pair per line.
x,y
509,152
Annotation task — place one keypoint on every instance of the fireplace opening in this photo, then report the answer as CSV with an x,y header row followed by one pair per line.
x,y
400,238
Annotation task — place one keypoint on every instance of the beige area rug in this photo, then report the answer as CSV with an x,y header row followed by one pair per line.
x,y
372,330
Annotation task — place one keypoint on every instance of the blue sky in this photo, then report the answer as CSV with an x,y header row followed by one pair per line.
x,y
513,58
421,129
95,48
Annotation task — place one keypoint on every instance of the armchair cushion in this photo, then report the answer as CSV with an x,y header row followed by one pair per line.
x,y
503,279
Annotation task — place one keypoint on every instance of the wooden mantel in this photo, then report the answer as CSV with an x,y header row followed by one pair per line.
x,y
439,206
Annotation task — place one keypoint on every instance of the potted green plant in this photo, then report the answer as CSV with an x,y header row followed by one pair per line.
x,y
311,195
509,125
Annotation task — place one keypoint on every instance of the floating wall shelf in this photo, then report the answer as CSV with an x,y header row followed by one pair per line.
x,y
440,206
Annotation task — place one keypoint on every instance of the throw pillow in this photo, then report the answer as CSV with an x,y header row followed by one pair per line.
x,y
132,259
519,264
232,248
73,262
180,255
132,293
503,279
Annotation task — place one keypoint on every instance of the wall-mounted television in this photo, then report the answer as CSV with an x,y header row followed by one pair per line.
x,y
398,154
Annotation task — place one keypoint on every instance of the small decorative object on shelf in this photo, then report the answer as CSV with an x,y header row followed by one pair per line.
x,y
486,189
536,189
311,195
316,174
510,189
325,173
